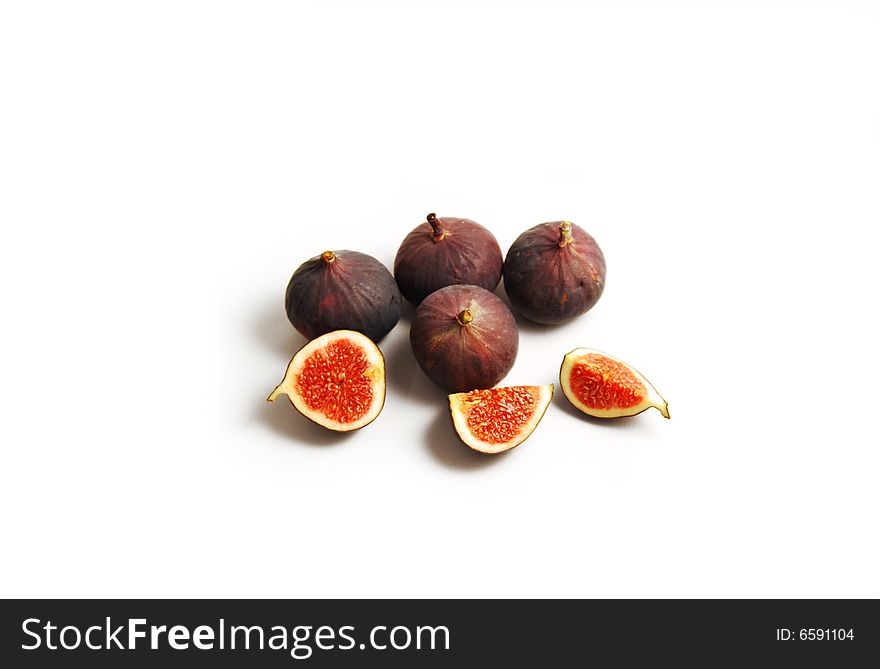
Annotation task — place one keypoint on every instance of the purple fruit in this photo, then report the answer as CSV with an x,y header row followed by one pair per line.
x,y
554,272
464,338
343,290
447,252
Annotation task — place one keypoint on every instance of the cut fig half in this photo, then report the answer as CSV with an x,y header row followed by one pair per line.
x,y
496,420
336,380
605,387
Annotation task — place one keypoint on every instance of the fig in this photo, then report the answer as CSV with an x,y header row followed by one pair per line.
x,y
605,387
554,272
336,380
447,252
493,421
342,290
464,337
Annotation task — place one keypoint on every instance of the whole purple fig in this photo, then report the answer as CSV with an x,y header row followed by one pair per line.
x,y
554,272
342,290
446,252
464,338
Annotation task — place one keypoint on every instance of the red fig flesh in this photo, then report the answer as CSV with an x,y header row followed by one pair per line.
x,y
336,380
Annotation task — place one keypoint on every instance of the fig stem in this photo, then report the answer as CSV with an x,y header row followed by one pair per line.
x,y
464,317
439,232
275,394
565,237
328,257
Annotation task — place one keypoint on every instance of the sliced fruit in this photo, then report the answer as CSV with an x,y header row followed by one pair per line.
x,y
605,387
496,420
336,380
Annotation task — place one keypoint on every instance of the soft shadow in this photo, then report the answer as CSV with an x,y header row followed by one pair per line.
x,y
275,331
407,311
280,417
500,292
406,379
525,325
623,423
448,449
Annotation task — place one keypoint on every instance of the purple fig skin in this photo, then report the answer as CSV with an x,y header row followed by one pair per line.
x,y
446,252
554,272
464,338
342,290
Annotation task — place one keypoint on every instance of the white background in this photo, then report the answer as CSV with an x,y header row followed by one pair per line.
x,y
165,166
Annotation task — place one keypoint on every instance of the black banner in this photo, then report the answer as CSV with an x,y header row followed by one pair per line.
x,y
428,633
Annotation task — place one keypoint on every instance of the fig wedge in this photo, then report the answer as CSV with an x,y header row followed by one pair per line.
x,y
496,420
605,387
